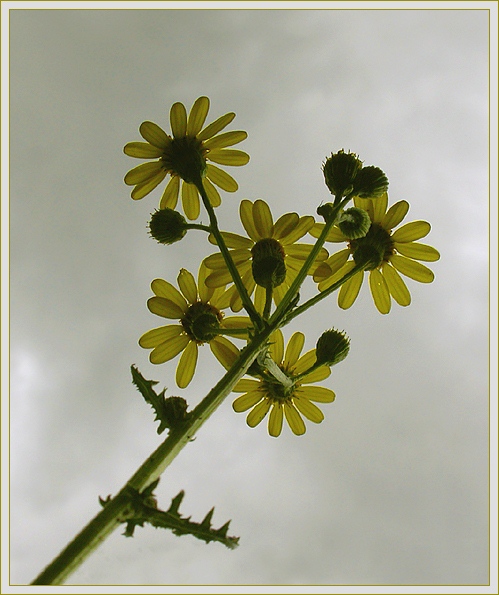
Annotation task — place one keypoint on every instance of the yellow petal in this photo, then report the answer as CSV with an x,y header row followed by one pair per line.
x,y
260,299
163,289
306,361
226,139
285,225
205,292
334,235
154,135
225,351
178,119
234,240
396,286
337,276
212,193
163,307
221,178
395,214
246,215
294,419
156,336
293,350
197,115
142,150
258,412
418,251
217,261
317,375
380,205
218,278
187,286
246,386
148,186
301,251
319,394
303,226
169,349
190,201
216,126
309,410
187,365
275,420
263,218
245,402
169,199
379,291
350,290
143,172
411,268
411,231
276,348
229,157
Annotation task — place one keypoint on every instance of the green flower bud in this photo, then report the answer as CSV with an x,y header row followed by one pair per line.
x,y
369,255
268,267
326,211
340,171
370,182
354,223
372,249
167,226
332,347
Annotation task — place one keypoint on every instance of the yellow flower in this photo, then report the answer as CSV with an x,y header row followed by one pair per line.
x,y
281,236
266,394
184,157
196,308
394,252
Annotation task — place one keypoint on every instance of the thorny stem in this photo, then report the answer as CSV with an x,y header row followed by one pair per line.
x,y
268,302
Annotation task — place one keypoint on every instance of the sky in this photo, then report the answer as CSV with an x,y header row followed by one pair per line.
x,y
392,487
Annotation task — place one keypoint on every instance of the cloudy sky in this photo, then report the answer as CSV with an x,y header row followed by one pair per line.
x,y
392,487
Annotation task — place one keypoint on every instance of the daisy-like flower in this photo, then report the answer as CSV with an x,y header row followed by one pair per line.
x,y
196,307
266,394
264,235
391,252
184,157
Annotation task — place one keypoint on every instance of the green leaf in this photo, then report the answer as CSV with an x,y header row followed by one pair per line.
x,y
157,401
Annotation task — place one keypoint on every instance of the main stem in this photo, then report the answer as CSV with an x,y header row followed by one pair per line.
x,y
116,510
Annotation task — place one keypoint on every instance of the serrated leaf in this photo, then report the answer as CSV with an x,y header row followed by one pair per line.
x,y
157,401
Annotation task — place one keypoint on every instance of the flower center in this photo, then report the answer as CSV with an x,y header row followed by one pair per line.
x,y
269,269
375,247
185,157
201,322
277,391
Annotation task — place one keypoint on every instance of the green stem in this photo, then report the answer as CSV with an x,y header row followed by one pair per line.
x,y
238,282
117,509
198,226
268,302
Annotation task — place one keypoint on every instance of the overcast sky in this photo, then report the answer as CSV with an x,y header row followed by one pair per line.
x,y
392,487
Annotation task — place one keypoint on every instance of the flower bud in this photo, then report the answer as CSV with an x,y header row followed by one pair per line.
x,y
175,411
340,171
354,223
167,226
327,211
332,347
268,267
370,182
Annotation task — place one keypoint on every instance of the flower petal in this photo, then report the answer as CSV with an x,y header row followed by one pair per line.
x,y
411,268
188,286
225,351
217,261
228,157
178,119
142,150
284,225
309,410
169,199
145,188
334,234
350,290
418,251
165,308
187,365
218,278
246,216
154,135
190,200
226,139
156,336
319,394
212,193
276,348
143,172
306,361
412,231
246,401
221,178
197,115
293,350
302,228
169,349
263,219
301,251
294,419
258,412
379,291
395,214
396,286
317,375
216,126
163,289
380,205
275,420
337,276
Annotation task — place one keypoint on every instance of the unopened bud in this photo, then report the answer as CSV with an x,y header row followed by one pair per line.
x,y
167,226
332,347
340,171
370,182
268,267
354,223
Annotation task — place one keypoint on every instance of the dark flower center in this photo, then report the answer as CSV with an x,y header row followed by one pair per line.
x,y
201,322
375,247
269,269
185,157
